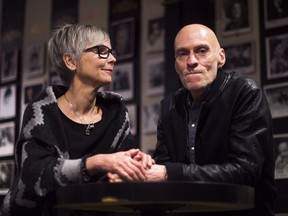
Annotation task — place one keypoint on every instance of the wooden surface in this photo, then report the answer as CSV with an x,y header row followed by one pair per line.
x,y
165,197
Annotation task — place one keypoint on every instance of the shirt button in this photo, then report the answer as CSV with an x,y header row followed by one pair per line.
x,y
193,125
192,148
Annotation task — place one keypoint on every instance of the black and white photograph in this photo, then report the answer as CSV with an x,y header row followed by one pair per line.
x,y
150,114
276,13
277,56
123,80
132,112
35,60
63,12
235,16
9,62
155,35
155,76
8,101
7,138
281,156
7,168
54,79
277,96
31,89
239,58
122,38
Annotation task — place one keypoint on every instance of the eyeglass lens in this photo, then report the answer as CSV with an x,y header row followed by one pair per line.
x,y
104,51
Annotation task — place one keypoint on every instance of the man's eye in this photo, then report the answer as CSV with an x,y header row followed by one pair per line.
x,y
202,51
182,53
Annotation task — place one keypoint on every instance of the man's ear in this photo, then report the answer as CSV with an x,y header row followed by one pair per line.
x,y
222,58
69,62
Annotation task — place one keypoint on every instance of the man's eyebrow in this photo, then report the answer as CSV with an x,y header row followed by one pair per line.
x,y
181,49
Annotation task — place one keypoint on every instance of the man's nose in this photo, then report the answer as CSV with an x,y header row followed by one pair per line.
x,y
192,59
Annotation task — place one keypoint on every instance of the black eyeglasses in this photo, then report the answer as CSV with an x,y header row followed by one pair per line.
x,y
102,51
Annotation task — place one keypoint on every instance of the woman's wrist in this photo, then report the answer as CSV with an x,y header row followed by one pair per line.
x,y
84,172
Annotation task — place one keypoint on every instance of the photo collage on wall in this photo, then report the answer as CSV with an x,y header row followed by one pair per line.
x,y
10,75
236,22
276,77
154,75
123,28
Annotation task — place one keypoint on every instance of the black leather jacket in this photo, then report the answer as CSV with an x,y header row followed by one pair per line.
x,y
233,143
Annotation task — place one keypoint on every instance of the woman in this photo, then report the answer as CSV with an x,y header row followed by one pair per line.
x,y
73,134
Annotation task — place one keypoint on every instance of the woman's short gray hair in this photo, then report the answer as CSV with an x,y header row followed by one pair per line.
x,y
72,39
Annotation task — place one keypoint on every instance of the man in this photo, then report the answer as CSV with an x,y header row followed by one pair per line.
x,y
218,127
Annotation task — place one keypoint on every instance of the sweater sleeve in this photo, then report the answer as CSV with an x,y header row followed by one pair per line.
x,y
40,171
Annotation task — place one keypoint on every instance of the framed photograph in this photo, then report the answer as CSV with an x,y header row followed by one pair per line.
x,y
281,156
7,139
277,56
277,96
155,35
132,112
8,101
31,89
276,13
123,80
35,60
235,16
150,115
123,38
7,170
240,58
155,76
54,79
9,63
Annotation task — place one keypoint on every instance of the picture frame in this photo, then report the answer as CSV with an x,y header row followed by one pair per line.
x,y
123,38
154,76
9,65
150,115
35,60
7,138
281,156
132,113
277,15
54,79
31,89
8,101
240,58
235,17
7,170
277,56
155,35
277,97
123,80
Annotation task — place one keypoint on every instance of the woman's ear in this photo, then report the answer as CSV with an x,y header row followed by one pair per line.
x,y
222,58
69,62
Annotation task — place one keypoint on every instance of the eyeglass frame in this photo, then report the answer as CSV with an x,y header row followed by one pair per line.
x,y
97,47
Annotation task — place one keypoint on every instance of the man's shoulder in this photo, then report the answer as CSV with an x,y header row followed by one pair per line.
x,y
240,79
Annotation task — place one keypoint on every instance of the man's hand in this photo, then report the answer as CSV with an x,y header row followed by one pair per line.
x,y
121,163
157,173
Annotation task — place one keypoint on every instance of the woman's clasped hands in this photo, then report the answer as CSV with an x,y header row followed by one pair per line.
x,y
132,166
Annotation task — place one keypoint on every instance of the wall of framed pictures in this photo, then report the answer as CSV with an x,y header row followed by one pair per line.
x,y
253,33
257,36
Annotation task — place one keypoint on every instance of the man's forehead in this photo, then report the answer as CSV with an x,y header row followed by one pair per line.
x,y
195,37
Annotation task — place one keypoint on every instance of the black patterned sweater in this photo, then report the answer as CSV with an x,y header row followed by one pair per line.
x,y
42,159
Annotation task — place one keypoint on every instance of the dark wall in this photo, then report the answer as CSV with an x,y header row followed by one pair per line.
x,y
178,14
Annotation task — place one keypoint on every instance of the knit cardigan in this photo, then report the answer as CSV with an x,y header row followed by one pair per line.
x,y
41,155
